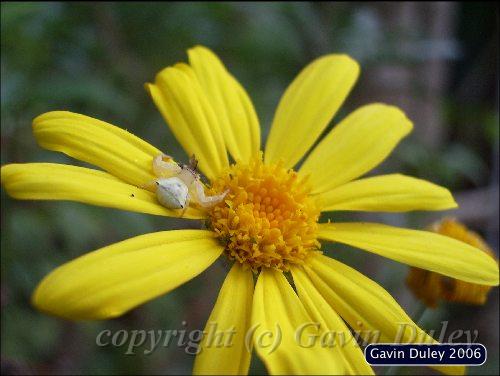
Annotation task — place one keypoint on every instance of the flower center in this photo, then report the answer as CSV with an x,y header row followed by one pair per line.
x,y
268,218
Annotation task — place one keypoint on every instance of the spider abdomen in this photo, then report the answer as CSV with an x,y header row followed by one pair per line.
x,y
172,193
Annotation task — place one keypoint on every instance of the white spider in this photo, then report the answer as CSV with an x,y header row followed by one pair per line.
x,y
177,185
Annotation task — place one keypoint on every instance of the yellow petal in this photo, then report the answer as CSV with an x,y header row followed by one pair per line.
x,y
422,249
90,140
371,311
357,144
234,110
50,181
388,193
223,350
114,279
182,102
277,315
340,338
308,105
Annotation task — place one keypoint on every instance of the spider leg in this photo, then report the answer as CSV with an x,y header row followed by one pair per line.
x,y
206,201
164,169
150,185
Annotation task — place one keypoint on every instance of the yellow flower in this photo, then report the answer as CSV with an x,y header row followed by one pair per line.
x,y
431,287
268,222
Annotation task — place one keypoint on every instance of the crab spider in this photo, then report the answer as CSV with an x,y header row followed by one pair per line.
x,y
177,185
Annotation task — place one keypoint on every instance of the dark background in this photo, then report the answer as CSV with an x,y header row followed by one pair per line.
x,y
438,61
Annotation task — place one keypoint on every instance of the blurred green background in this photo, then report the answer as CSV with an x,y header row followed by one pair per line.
x,y
438,61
